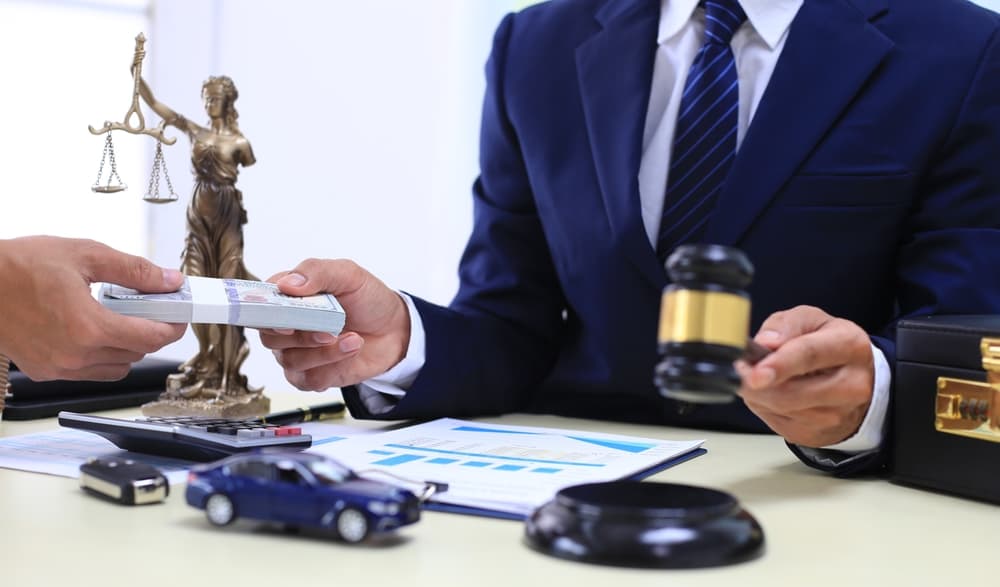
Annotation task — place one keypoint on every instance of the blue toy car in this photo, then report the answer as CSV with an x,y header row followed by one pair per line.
x,y
299,490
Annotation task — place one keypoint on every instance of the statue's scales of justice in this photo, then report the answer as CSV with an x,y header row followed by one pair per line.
x,y
210,383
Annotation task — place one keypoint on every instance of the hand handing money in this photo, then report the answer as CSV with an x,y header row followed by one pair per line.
x,y
206,300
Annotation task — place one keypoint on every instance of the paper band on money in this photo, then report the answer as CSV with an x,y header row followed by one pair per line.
x,y
206,300
212,304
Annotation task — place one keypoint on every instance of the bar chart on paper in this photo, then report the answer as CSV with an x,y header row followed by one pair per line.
x,y
504,470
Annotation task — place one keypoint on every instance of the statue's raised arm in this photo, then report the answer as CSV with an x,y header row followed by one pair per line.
x,y
169,116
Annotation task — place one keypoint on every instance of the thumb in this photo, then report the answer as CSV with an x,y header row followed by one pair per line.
x,y
120,268
783,326
312,276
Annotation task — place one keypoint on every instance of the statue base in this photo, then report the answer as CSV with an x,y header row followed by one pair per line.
x,y
230,407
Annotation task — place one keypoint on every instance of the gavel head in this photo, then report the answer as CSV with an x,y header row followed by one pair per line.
x,y
704,323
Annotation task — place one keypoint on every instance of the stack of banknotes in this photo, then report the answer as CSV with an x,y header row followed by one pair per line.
x,y
207,300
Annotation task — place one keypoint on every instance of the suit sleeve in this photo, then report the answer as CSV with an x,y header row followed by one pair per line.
x,y
497,340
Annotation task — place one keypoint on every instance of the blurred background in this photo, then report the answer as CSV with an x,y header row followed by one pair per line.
x,y
363,116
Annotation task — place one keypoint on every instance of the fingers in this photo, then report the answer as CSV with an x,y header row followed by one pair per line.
x,y
102,372
277,331
813,354
321,367
303,359
110,265
76,364
347,343
821,389
807,341
280,339
318,379
815,426
136,334
325,376
92,340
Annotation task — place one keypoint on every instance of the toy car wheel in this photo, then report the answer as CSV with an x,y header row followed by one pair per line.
x,y
352,525
219,509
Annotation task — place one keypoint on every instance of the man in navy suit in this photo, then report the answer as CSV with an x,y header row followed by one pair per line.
x,y
865,188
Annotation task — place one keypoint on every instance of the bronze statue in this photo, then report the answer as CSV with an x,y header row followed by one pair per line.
x,y
211,383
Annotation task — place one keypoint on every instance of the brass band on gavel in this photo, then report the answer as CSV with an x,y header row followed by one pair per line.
x,y
704,316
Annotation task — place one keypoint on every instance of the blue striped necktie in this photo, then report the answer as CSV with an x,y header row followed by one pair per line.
x,y
705,133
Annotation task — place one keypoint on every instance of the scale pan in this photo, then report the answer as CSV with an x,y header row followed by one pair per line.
x,y
108,189
157,200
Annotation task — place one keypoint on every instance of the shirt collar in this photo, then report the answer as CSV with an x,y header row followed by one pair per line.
x,y
770,18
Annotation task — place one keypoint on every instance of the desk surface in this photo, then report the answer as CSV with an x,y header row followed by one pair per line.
x,y
819,531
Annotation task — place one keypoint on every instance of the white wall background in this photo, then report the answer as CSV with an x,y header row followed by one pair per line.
x,y
364,119
64,66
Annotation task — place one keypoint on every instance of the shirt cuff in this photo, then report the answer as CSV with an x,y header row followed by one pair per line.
x,y
869,435
381,393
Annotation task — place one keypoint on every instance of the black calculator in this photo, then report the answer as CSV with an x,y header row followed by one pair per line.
x,y
194,438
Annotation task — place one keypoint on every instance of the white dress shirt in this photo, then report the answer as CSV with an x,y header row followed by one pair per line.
x,y
756,46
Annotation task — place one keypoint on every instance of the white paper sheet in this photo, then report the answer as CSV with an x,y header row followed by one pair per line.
x,y
61,451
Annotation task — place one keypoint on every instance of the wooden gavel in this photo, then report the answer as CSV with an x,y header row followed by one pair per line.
x,y
704,324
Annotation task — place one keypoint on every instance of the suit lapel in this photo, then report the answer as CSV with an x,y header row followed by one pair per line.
x,y
615,70
830,52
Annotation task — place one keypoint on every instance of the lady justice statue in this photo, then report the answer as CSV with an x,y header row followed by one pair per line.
x,y
210,383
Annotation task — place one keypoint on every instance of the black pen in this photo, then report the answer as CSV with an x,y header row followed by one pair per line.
x,y
305,414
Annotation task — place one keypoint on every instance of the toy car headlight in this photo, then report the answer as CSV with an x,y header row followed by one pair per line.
x,y
380,507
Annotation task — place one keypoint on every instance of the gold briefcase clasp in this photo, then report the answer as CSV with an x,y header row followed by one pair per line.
x,y
970,408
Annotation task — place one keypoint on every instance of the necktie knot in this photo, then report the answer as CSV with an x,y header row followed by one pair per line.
x,y
722,18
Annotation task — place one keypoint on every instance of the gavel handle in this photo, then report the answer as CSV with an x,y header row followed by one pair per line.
x,y
754,352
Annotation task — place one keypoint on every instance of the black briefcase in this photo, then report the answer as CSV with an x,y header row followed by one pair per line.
x,y
946,415
29,400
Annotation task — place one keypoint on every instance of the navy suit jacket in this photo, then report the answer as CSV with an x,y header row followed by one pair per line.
x,y
868,184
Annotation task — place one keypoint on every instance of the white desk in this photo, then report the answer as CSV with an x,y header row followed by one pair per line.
x,y
819,531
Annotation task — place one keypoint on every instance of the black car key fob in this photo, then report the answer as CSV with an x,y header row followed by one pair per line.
x,y
123,481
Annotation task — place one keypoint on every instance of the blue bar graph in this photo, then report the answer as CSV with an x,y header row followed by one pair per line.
x,y
398,460
510,467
